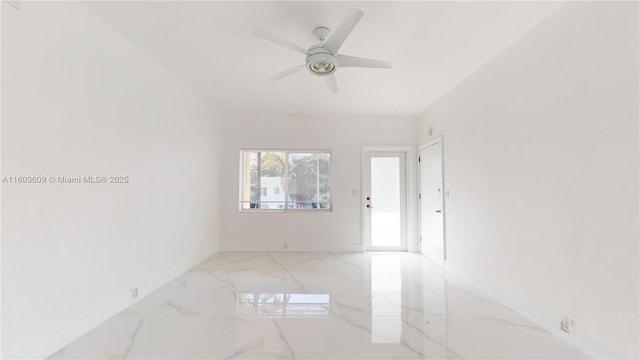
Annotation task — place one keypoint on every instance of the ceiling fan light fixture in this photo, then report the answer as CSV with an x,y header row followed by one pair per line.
x,y
322,63
322,67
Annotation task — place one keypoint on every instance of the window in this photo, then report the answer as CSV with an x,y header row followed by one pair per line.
x,y
303,176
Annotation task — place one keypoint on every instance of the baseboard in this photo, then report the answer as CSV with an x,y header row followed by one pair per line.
x,y
549,322
43,348
261,247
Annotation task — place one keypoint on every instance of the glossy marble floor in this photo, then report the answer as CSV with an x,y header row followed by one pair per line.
x,y
318,306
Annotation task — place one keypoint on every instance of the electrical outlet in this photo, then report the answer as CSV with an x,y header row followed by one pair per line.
x,y
566,324
134,292
285,246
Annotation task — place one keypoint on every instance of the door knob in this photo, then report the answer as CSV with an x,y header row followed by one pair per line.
x,y
368,197
438,211
369,206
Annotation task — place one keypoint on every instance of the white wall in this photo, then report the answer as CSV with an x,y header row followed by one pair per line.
x,y
541,160
339,230
79,99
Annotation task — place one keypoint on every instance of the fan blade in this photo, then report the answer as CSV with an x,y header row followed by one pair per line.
x,y
331,83
352,61
343,30
279,40
287,73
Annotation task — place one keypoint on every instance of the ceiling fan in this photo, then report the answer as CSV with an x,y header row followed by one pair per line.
x,y
323,59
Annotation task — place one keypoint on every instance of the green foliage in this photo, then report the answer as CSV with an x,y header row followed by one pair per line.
x,y
273,164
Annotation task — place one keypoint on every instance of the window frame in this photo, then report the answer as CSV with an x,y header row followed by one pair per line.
x,y
285,187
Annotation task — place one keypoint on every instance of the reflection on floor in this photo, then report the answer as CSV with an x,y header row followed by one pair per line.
x,y
318,306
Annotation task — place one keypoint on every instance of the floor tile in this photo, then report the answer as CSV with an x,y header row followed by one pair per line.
x,y
318,306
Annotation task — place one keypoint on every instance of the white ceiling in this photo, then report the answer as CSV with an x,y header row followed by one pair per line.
x,y
433,45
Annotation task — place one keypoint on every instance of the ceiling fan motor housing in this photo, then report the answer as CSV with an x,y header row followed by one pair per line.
x,y
320,61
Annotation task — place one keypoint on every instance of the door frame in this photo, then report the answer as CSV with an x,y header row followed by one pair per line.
x,y
411,201
445,195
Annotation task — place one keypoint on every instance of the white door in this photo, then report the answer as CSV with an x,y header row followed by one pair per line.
x,y
385,201
431,203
